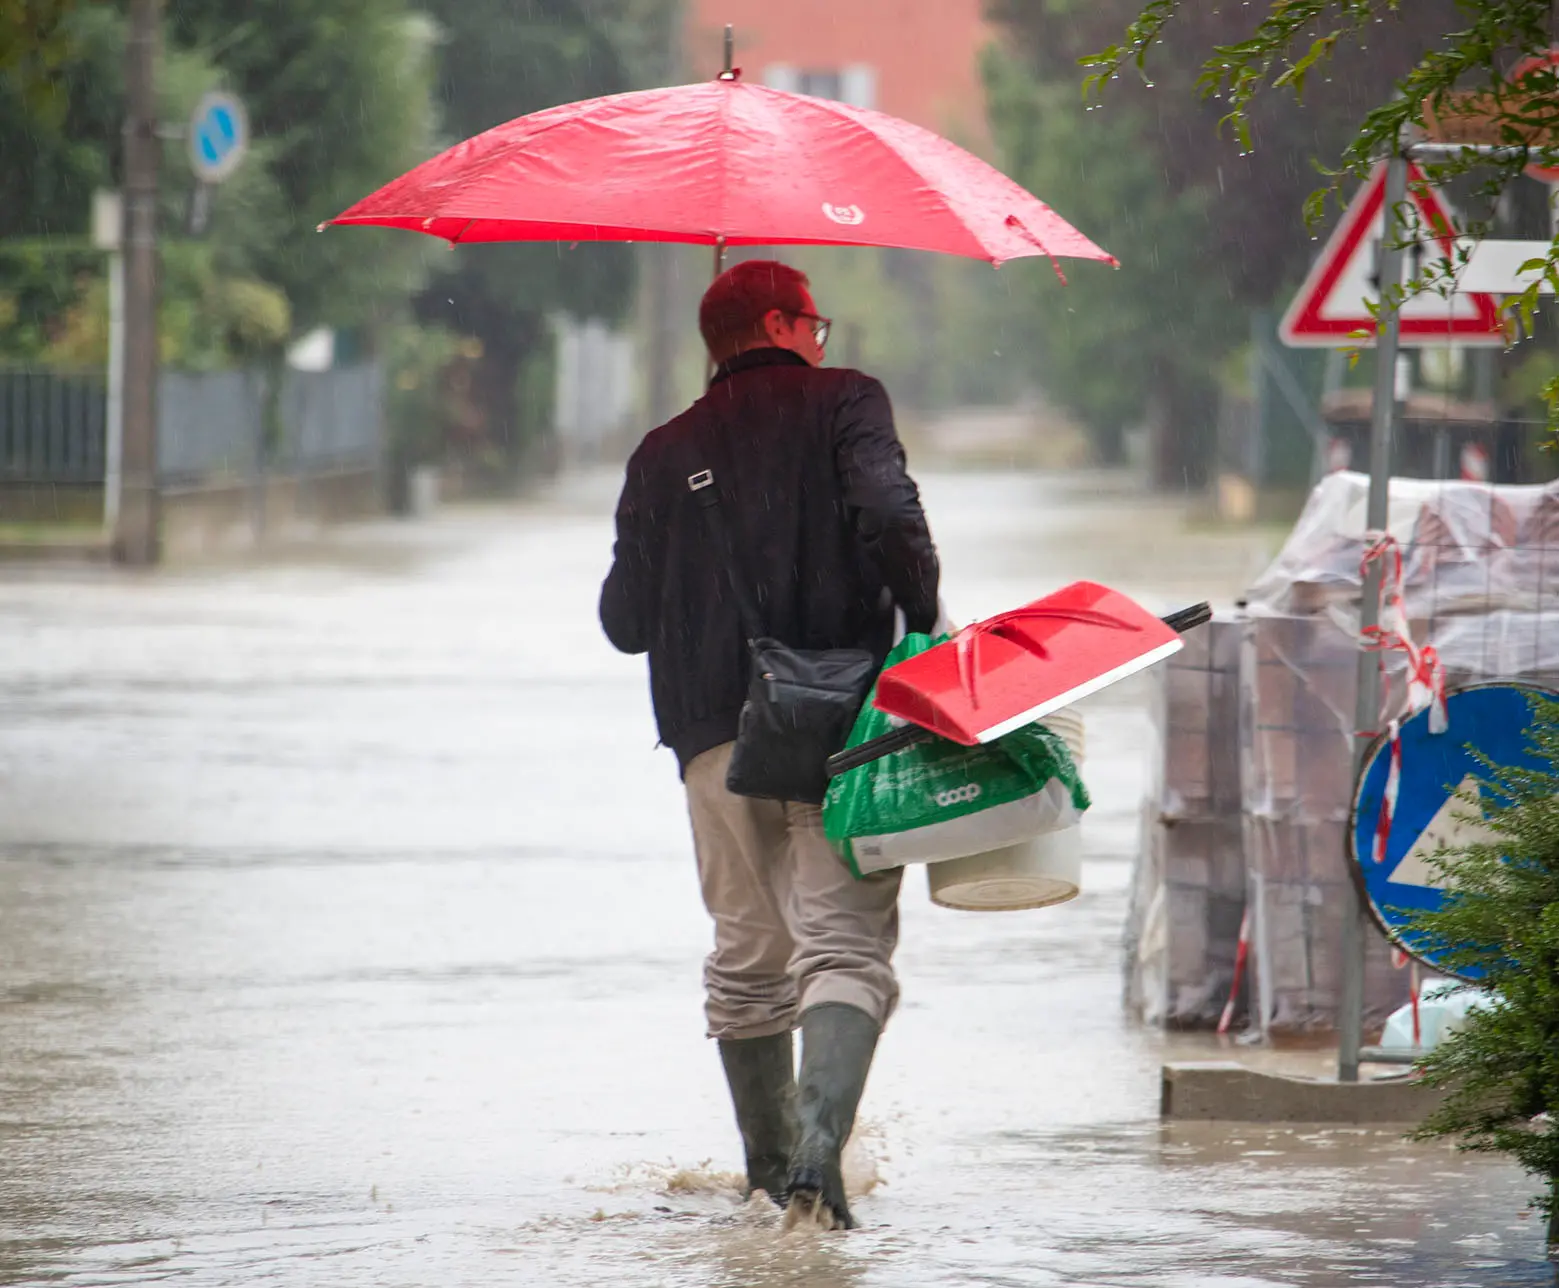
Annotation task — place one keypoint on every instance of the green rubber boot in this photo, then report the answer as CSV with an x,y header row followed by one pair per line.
x,y
837,1044
762,1078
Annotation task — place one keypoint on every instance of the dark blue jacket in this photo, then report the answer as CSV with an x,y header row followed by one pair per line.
x,y
826,524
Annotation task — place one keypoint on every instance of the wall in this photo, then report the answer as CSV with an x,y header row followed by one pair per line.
x,y
912,58
226,518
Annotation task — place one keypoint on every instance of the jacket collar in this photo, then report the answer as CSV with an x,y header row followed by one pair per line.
x,y
765,357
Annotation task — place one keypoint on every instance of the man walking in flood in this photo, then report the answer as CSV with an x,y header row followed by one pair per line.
x,y
827,530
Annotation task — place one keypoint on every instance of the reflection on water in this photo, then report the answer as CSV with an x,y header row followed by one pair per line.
x,y
349,935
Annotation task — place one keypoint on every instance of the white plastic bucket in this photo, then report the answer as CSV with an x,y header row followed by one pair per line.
x,y
1069,724
1045,870
1036,873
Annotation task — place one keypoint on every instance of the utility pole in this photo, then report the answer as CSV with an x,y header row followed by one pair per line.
x,y
135,537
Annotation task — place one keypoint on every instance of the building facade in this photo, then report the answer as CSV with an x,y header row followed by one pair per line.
x,y
918,59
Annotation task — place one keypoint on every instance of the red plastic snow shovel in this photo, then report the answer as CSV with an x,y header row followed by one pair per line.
x,y
1000,674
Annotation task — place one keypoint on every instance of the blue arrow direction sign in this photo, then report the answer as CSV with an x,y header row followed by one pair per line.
x,y
218,136
1489,718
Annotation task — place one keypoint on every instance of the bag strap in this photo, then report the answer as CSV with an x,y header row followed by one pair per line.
x,y
702,486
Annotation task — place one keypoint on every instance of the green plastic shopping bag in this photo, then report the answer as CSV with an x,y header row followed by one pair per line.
x,y
941,800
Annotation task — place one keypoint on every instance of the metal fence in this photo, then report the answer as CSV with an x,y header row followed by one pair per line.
x,y
210,425
330,419
52,427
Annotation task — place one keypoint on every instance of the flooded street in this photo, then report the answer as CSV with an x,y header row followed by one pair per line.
x,y
350,934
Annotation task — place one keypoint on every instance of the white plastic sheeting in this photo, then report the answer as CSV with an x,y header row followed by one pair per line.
x,y
1266,829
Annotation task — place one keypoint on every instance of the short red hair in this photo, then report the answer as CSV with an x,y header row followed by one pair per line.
x,y
733,308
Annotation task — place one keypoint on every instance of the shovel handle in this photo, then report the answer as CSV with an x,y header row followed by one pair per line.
x,y
1184,619
875,748
1179,621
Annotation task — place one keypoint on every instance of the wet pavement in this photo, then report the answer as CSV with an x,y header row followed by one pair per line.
x,y
349,935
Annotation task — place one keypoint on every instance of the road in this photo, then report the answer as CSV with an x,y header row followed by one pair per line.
x,y
349,935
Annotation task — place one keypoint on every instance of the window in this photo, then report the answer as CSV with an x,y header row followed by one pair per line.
x,y
855,84
821,84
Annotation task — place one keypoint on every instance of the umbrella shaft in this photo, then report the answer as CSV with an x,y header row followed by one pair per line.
x,y
709,366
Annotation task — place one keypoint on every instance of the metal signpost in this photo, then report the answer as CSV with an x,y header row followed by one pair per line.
x,y
1367,715
218,140
1350,1021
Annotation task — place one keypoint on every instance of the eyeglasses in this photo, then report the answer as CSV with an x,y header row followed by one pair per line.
x,y
820,326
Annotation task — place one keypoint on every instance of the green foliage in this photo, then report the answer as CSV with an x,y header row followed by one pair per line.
x,y
50,161
33,43
1109,343
339,98
342,96
209,320
1501,1069
260,274
499,59
1206,230
41,280
415,359
1465,74
647,36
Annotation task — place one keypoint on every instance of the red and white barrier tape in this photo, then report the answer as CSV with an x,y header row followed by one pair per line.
x,y
1425,673
1240,954
1399,959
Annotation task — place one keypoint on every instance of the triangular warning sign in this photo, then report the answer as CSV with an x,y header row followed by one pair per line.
x,y
1331,306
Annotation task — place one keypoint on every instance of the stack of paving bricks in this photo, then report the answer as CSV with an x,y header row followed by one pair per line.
x,y
1189,888
1250,802
1299,680
1481,583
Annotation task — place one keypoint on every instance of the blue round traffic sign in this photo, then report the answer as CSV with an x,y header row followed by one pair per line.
x,y
218,136
1437,768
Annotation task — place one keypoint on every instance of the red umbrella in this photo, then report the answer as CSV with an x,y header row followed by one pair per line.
x,y
722,163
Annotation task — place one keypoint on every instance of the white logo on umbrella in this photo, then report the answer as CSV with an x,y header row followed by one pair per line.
x,y
849,215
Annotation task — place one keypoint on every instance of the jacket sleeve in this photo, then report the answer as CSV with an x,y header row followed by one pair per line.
x,y
632,587
884,503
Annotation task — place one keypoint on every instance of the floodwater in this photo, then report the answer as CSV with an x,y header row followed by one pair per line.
x,y
349,935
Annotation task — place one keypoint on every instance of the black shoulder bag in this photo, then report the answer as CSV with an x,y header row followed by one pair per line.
x,y
801,703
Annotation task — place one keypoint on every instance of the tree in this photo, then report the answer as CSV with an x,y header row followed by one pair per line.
x,y
1501,921
499,60
1116,347
1206,230
339,98
338,94
1464,75
52,289
33,44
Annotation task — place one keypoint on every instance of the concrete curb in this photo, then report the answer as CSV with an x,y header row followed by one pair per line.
x,y
1223,1091
95,550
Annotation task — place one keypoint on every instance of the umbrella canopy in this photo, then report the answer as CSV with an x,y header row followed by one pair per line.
x,y
722,162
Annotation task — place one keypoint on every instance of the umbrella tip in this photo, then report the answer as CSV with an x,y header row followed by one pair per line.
x,y
730,73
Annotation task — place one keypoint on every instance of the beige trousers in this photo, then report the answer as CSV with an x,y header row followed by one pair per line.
x,y
793,927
